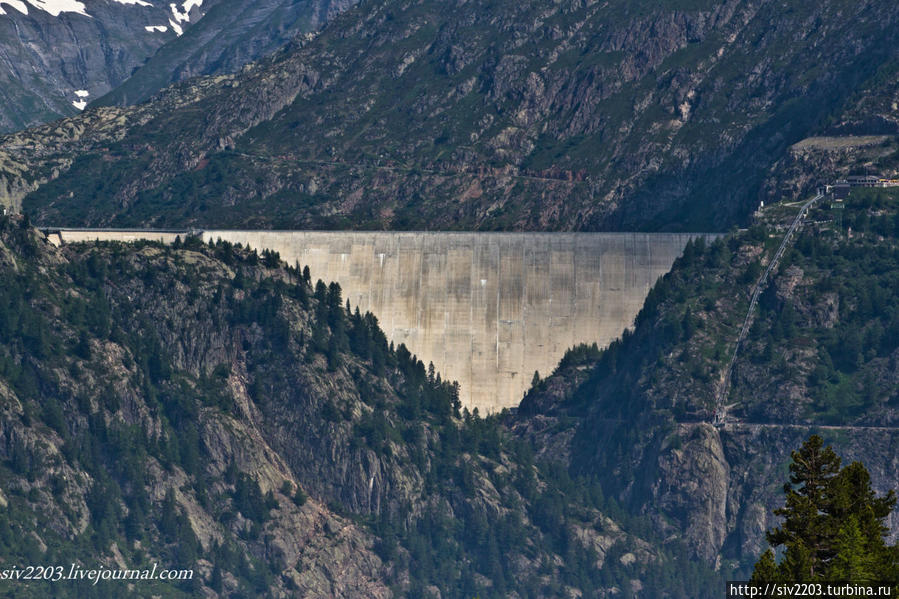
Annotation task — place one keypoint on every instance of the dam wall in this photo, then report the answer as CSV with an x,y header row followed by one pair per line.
x,y
60,236
488,309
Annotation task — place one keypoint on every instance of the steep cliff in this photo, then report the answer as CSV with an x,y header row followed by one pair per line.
x,y
55,57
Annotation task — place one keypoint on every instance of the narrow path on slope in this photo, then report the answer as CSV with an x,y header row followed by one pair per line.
x,y
720,407
734,424
740,424
407,169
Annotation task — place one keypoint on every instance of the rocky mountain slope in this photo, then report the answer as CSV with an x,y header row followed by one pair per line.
x,y
205,405
57,57
821,356
207,408
232,34
496,115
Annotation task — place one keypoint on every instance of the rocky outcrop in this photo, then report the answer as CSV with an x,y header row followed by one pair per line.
x,y
53,63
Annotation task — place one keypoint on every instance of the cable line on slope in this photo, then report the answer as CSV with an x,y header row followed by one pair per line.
x,y
720,407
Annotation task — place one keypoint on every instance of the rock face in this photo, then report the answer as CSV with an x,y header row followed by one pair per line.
x,y
56,58
692,482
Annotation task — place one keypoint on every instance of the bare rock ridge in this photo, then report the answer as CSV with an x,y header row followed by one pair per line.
x,y
487,309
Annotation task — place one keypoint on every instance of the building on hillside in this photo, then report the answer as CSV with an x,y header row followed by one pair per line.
x,y
863,180
840,189
871,181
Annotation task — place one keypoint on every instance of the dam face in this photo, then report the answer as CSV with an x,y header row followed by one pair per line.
x,y
488,309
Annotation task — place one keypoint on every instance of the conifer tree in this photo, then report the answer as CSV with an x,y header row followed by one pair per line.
x,y
854,559
833,526
766,569
805,531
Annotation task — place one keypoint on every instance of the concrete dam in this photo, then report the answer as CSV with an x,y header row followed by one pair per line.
x,y
488,309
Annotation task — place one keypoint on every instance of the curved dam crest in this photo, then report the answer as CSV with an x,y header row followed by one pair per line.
x,y
488,309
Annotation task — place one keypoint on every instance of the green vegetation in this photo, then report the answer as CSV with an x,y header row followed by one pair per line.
x,y
644,412
845,310
117,356
488,116
833,528
463,489
827,323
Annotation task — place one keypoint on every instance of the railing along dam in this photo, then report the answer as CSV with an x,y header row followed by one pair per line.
x,y
488,309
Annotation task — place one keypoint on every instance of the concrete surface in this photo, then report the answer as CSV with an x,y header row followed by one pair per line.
x,y
488,309
59,236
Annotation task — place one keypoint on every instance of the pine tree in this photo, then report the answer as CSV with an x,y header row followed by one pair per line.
x,y
833,526
766,570
806,531
853,561
850,495
861,551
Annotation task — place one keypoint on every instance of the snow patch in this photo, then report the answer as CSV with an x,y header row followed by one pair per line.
x,y
82,94
180,17
183,15
19,5
156,28
56,7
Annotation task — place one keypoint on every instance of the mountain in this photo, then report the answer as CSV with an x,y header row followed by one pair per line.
x,y
490,115
57,56
231,34
203,407
705,460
